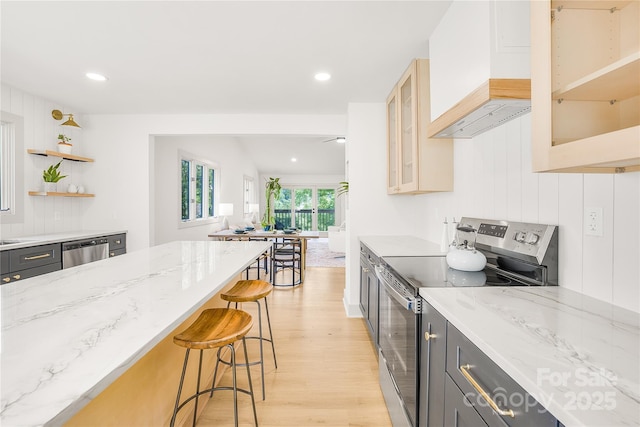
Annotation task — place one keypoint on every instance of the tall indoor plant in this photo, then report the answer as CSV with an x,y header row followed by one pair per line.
x,y
272,192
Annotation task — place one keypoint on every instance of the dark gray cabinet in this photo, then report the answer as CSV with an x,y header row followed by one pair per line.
x,y
28,262
369,291
486,389
459,411
433,351
117,244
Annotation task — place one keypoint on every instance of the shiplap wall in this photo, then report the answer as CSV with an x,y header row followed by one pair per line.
x,y
493,179
45,214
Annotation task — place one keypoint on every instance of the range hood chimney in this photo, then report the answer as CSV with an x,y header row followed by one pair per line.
x,y
494,103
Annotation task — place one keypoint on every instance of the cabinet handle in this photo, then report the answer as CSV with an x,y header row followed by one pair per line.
x,y
31,258
17,276
117,242
428,336
465,371
6,279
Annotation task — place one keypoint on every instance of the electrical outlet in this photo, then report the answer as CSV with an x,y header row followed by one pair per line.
x,y
593,223
57,216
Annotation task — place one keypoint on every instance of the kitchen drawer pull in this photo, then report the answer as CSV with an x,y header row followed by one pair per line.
x,y
31,258
428,336
465,371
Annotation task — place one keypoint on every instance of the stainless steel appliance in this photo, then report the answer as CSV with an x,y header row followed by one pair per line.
x,y
83,251
518,254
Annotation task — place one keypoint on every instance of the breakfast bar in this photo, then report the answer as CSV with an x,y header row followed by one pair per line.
x,y
84,338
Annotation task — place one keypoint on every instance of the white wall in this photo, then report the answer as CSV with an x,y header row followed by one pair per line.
x,y
230,162
122,176
46,214
493,179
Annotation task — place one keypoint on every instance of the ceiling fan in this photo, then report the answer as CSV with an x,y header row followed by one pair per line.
x,y
338,139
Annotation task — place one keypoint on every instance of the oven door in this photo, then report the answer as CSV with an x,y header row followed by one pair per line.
x,y
398,335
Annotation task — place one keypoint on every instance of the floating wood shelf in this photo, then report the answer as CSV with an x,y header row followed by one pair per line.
x,y
50,153
58,194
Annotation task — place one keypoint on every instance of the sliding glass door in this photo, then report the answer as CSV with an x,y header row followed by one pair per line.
x,y
306,208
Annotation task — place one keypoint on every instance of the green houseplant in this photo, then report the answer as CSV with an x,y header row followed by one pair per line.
x,y
64,146
272,191
51,176
343,188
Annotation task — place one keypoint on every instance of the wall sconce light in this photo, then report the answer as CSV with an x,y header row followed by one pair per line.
x,y
225,209
58,115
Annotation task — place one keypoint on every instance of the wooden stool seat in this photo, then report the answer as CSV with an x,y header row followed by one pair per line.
x,y
215,327
247,290
254,291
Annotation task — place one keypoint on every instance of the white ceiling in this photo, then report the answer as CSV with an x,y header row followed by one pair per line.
x,y
207,57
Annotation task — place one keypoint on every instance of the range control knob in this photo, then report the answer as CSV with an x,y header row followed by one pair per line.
x,y
531,238
520,236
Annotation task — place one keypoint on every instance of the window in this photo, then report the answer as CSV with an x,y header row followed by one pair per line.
x,y
248,196
198,185
11,200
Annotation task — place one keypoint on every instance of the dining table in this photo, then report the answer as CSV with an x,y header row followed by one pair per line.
x,y
272,235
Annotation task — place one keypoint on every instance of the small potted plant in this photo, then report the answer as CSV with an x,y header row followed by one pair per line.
x,y
51,176
64,146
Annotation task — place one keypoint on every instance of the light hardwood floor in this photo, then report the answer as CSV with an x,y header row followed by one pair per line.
x,y
327,369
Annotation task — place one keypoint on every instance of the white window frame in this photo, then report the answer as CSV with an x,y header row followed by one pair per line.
x,y
11,158
248,194
194,161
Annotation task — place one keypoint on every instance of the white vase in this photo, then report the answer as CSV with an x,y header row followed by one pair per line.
x,y
65,148
50,187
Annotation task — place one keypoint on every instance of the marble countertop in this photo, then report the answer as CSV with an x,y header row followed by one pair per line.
x,y
45,239
68,334
384,246
579,357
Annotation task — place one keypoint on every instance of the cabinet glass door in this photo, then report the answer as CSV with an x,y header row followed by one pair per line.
x,y
392,144
408,134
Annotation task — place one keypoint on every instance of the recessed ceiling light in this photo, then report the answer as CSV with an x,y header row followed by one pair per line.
x,y
96,76
341,140
293,159
322,76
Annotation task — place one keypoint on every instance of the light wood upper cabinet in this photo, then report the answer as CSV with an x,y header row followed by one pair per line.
x,y
585,82
415,163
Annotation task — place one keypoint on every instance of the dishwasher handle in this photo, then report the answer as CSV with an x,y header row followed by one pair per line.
x,y
84,243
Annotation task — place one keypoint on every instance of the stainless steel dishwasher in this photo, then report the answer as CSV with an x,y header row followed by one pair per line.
x,y
83,251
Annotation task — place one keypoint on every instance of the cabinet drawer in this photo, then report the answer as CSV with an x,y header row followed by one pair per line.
x,y
467,364
4,262
35,256
118,241
30,272
458,410
117,252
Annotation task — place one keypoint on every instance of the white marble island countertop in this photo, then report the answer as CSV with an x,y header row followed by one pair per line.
x,y
68,334
579,357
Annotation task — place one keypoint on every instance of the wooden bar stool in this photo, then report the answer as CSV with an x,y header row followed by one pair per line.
x,y
254,291
215,328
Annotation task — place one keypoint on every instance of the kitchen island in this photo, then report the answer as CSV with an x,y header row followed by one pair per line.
x,y
86,336
576,355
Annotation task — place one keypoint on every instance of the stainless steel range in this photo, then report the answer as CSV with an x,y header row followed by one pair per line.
x,y
518,254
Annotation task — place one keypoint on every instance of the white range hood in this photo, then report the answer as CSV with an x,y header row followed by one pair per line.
x,y
494,103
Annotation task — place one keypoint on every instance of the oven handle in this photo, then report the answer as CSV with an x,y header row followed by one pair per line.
x,y
407,303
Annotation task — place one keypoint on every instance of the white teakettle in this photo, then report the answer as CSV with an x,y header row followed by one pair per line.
x,y
464,256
